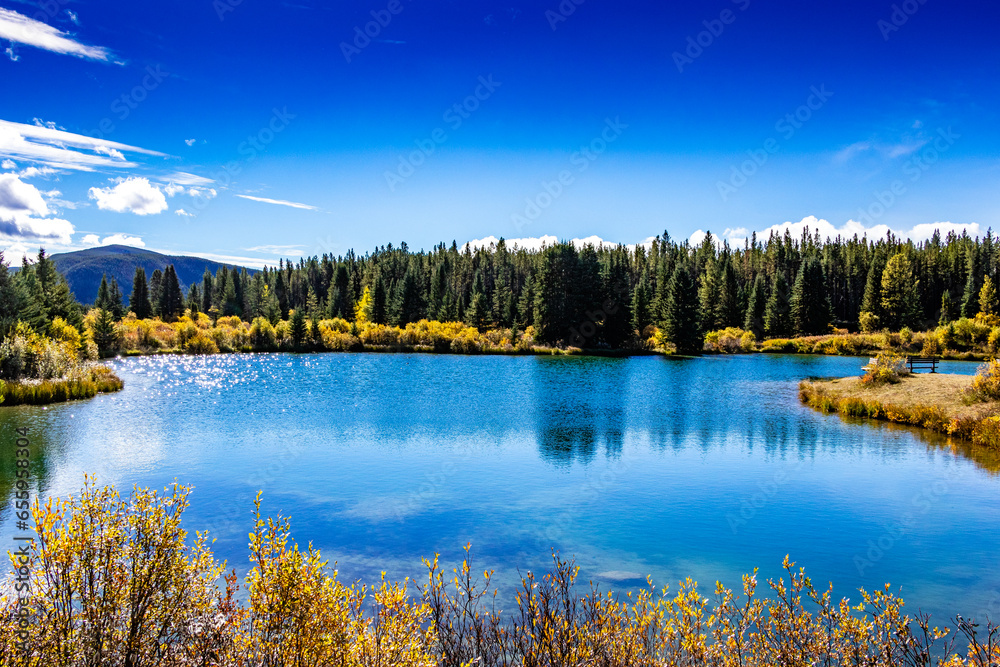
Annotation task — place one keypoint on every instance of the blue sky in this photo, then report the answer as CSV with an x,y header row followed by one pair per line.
x,y
248,129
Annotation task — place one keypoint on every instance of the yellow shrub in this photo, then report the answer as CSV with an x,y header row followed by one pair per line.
x,y
986,383
886,368
201,343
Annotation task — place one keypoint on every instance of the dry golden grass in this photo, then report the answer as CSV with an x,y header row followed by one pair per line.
x,y
944,391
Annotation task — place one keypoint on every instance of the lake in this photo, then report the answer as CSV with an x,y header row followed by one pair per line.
x,y
702,468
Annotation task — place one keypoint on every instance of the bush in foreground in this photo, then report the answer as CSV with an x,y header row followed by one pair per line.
x,y
886,368
118,582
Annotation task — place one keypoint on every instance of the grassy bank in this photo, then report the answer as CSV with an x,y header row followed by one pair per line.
x,y
936,401
151,596
85,382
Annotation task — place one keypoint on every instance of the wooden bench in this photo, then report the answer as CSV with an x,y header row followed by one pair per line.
x,y
915,363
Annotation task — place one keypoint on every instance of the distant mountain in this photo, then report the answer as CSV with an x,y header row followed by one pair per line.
x,y
84,268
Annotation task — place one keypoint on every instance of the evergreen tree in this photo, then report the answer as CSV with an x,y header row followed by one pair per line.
x,y
116,300
730,314
206,291
156,290
298,327
899,293
194,299
756,305
616,305
171,302
439,288
102,293
405,306
709,293
106,336
681,324
139,300
556,284
947,308
526,305
475,314
640,306
809,305
970,297
228,300
378,315
777,322
9,302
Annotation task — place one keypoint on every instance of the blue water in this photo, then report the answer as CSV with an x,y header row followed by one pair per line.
x,y
704,468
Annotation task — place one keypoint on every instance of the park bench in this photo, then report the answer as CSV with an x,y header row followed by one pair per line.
x,y
915,363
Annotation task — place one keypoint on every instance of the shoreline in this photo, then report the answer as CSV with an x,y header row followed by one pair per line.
x,y
932,401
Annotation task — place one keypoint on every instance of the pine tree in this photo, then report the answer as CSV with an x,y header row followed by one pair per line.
x,y
947,309
9,302
156,290
729,299
777,322
709,298
756,305
899,293
526,304
298,327
206,291
439,288
970,297
556,284
106,336
116,300
475,314
194,299
405,306
617,330
102,293
139,300
228,301
640,306
378,314
171,302
810,305
680,323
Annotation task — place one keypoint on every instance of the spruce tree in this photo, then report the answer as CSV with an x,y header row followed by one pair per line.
x,y
899,293
947,309
680,323
777,323
194,299
475,313
106,336
298,327
206,291
156,290
102,293
756,305
640,306
139,300
379,315
556,286
9,301
439,286
116,300
709,294
810,305
526,304
970,297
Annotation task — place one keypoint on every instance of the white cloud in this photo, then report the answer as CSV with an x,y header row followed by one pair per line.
x,y
92,240
184,178
31,172
123,239
183,213
172,189
110,152
10,54
73,16
279,202
827,230
8,164
24,213
284,250
23,30
536,242
62,150
134,195
190,142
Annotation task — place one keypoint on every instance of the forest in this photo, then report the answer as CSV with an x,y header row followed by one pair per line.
x,y
670,294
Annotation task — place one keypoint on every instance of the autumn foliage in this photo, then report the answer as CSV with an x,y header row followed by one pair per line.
x,y
117,581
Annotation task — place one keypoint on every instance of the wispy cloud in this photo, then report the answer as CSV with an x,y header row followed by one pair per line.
x,y
23,30
64,150
279,202
91,240
277,250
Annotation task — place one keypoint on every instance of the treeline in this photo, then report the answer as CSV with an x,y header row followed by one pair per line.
x,y
604,296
